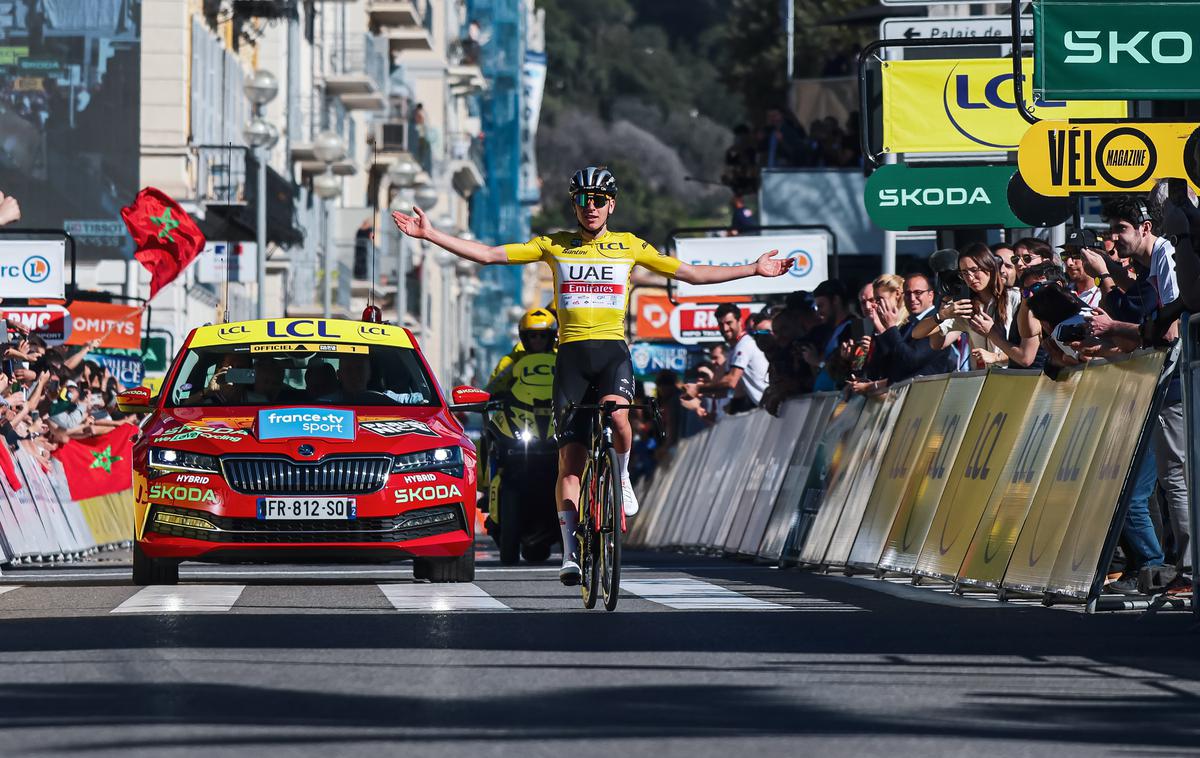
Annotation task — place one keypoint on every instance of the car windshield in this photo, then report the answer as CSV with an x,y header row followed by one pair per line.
x,y
274,374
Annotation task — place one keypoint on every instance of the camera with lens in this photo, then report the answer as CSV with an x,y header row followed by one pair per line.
x,y
950,286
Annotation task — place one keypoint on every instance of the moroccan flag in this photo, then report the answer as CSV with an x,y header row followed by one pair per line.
x,y
166,237
100,465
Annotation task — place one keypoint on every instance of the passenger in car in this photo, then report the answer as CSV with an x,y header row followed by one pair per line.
x,y
320,379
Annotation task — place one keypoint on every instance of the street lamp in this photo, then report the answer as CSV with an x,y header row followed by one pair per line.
x,y
403,172
260,88
426,196
327,186
328,147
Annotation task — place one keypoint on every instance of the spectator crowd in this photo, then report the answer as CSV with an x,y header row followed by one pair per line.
x,y
1023,304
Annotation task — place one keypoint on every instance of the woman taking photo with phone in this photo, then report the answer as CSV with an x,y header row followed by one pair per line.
x,y
964,320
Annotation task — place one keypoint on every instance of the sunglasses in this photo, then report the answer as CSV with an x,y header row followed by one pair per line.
x,y
1028,292
584,199
1026,258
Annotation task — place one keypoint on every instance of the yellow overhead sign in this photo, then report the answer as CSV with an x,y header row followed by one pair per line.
x,y
316,331
1058,158
950,106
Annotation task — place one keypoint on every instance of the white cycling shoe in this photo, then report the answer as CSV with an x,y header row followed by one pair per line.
x,y
628,500
569,573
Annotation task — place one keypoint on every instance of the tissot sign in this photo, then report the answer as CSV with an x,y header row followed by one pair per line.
x,y
901,198
1059,158
1117,50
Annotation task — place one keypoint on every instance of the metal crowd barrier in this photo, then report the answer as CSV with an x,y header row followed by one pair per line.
x,y
1002,480
40,522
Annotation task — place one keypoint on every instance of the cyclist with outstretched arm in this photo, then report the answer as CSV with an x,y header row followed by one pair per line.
x,y
592,268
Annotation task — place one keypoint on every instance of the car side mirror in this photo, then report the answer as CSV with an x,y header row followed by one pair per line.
x,y
466,399
136,400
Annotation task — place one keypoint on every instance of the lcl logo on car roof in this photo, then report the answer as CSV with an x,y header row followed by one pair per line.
x,y
305,450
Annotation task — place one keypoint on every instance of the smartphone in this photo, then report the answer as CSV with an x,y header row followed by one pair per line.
x,y
862,327
239,376
1073,333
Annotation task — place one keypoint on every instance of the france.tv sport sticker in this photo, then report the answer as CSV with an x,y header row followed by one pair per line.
x,y
324,423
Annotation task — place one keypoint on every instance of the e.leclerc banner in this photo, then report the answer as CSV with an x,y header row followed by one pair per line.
x,y
1117,50
901,198
1057,159
952,106
810,250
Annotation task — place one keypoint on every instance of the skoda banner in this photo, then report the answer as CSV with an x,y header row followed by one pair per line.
x,y
32,268
1057,158
951,106
1117,50
810,251
902,198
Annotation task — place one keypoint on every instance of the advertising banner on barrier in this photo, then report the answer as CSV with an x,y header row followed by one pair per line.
x,y
951,106
996,534
33,268
649,359
932,471
810,251
1117,50
996,422
1057,158
118,326
903,198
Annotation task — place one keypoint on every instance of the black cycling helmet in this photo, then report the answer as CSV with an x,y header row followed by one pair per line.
x,y
593,179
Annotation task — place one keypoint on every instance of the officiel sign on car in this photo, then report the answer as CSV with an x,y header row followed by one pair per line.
x,y
1057,158
1117,51
32,268
951,106
903,198
811,252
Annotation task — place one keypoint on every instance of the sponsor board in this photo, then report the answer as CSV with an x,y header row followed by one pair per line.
x,y
1058,158
398,428
653,314
173,493
1117,51
430,493
810,252
903,198
186,433
300,329
32,268
116,326
128,369
52,323
694,323
322,423
649,359
951,106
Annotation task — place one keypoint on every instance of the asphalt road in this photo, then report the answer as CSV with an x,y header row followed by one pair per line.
x,y
704,657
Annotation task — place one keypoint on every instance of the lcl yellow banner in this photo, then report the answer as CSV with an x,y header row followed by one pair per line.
x,y
1057,158
950,106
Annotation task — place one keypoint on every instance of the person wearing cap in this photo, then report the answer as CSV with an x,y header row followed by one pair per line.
x,y
1082,283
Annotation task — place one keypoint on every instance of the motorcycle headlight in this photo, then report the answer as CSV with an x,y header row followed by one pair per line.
x,y
447,460
166,461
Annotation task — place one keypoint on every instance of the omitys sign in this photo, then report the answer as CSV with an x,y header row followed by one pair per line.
x,y
903,198
1061,158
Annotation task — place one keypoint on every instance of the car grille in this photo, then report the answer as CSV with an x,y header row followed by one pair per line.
x,y
253,531
336,475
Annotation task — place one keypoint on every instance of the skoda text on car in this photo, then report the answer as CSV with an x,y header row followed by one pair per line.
x,y
293,440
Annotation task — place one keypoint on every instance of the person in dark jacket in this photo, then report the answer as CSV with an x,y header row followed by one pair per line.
x,y
896,354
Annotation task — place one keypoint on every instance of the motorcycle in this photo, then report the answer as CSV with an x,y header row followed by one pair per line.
x,y
521,467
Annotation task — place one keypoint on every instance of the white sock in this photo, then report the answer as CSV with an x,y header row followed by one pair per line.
x,y
623,461
567,520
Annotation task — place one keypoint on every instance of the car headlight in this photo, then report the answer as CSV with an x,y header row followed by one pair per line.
x,y
448,460
165,461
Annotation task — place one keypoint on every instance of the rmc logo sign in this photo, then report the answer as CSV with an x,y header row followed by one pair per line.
x,y
1117,51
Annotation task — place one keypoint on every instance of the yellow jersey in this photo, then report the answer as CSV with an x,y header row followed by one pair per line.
x,y
591,278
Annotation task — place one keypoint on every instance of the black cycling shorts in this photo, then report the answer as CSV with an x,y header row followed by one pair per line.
x,y
584,372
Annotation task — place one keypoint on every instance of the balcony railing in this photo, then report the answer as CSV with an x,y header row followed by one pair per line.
x,y
220,174
358,72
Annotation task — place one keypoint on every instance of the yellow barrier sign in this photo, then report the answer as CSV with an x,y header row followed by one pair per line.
x,y
992,545
1058,158
1063,483
1133,385
896,470
991,434
932,471
939,106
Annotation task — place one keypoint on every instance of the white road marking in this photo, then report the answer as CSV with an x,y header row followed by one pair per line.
x,y
695,595
9,588
435,598
184,598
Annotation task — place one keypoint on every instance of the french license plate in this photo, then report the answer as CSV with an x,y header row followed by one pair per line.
x,y
307,508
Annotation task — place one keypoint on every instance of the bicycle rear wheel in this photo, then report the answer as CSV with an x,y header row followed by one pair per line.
x,y
609,501
588,544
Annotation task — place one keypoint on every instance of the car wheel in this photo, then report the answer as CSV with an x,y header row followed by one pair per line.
x,y
148,571
445,570
510,525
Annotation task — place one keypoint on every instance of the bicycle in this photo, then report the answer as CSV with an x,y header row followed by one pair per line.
x,y
601,510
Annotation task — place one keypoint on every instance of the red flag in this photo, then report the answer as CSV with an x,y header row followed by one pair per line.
x,y
9,467
101,465
166,237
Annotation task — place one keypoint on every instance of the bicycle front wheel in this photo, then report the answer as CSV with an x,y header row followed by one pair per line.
x,y
589,545
610,504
